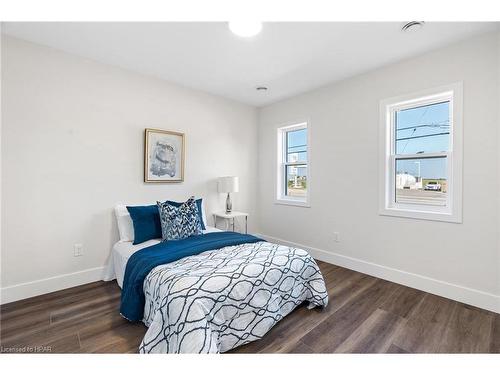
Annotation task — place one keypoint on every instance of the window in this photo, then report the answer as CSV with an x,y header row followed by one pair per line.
x,y
293,168
421,155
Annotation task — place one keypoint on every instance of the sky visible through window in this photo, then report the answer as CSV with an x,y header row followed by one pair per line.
x,y
423,130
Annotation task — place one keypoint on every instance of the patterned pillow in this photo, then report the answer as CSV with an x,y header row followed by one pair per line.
x,y
178,222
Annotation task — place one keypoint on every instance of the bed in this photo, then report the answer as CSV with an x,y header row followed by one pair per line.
x,y
213,292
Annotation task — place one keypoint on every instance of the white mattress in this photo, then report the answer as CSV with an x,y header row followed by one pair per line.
x,y
123,250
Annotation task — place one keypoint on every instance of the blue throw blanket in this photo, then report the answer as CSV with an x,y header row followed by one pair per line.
x,y
142,262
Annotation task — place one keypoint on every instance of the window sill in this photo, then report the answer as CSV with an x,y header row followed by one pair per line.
x,y
421,215
292,202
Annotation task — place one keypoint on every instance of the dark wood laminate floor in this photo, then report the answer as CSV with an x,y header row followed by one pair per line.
x,y
365,315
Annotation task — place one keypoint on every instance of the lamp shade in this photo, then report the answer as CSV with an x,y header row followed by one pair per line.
x,y
228,184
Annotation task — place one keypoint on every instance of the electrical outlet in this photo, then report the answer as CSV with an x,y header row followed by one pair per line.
x,y
336,236
78,250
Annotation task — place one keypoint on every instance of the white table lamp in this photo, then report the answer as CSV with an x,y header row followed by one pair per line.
x,y
228,184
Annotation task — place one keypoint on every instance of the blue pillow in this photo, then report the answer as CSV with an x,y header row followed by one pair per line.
x,y
200,212
146,221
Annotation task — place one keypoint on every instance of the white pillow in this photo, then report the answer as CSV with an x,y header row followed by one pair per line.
x,y
125,225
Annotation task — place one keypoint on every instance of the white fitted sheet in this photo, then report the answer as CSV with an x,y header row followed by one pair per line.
x,y
122,251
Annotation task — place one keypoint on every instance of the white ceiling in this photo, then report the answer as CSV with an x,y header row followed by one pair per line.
x,y
289,58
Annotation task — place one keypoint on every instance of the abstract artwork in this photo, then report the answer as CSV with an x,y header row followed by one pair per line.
x,y
163,156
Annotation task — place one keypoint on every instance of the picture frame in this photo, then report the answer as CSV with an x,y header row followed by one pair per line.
x,y
164,154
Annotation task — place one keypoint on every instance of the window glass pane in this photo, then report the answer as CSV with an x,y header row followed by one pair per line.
x,y
296,181
421,181
296,145
423,129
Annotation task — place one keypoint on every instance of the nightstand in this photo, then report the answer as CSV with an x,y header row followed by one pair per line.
x,y
232,215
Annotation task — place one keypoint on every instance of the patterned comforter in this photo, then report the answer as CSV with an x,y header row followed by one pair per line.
x,y
220,299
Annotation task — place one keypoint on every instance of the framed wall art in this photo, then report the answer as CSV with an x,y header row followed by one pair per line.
x,y
163,156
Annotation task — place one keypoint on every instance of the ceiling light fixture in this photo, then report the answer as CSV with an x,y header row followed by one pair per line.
x,y
412,26
245,29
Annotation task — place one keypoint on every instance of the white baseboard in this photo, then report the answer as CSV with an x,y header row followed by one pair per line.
x,y
51,284
456,292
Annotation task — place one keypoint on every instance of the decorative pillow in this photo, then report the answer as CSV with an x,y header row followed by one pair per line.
x,y
179,222
199,205
146,220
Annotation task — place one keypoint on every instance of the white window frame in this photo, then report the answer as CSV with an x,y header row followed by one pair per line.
x,y
452,212
281,198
